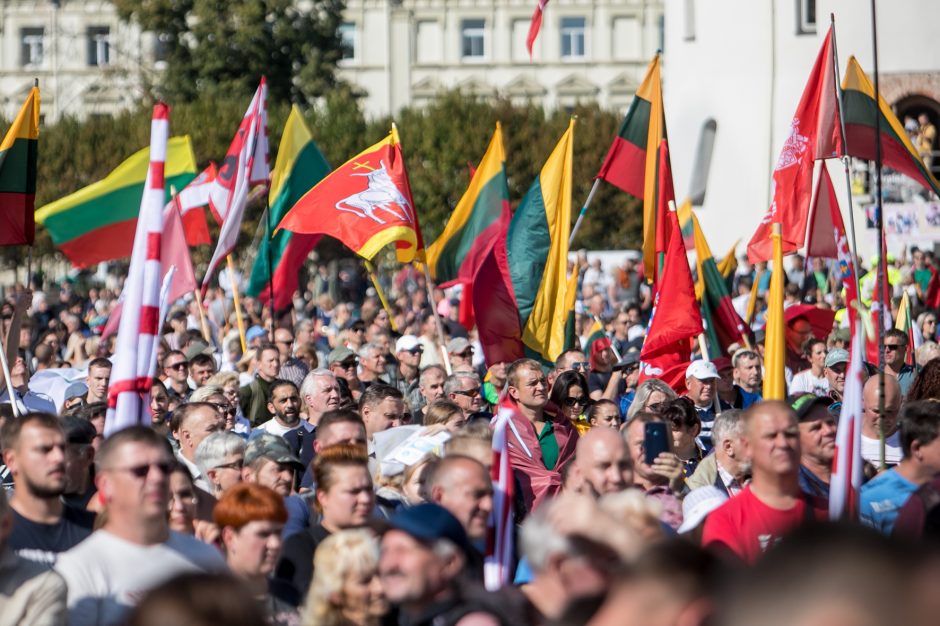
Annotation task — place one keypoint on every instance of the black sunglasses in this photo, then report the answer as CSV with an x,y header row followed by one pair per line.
x,y
141,471
576,401
178,366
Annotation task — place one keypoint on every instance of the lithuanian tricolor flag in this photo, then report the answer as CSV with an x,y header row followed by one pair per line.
x,y
859,110
595,334
632,163
480,217
18,154
98,223
906,323
299,166
537,253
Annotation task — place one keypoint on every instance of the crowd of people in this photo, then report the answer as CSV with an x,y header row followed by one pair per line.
x,y
337,467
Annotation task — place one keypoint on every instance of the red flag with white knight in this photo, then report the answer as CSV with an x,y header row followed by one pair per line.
x,y
365,203
814,134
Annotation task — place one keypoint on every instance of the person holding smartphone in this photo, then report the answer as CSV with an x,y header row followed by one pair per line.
x,y
656,469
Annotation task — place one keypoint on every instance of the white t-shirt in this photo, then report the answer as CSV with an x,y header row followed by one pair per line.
x,y
871,449
805,382
107,576
273,427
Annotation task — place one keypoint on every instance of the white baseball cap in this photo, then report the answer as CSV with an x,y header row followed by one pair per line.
x,y
406,343
698,503
703,370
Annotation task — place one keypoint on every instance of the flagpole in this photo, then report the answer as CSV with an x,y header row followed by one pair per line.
x,y
845,156
270,241
437,318
6,376
378,290
882,253
202,318
587,203
237,302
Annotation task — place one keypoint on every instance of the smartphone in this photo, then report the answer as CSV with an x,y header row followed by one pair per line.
x,y
655,440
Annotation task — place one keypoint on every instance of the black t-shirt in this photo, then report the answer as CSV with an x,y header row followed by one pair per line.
x,y
42,542
598,381
295,566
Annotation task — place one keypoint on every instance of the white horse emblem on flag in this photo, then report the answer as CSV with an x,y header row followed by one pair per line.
x,y
382,193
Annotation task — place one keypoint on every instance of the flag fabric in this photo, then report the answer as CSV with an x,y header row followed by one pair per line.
x,y
814,134
98,223
847,464
905,322
191,201
19,153
535,25
880,305
537,253
477,220
299,166
632,162
897,151
494,307
723,325
571,300
365,203
498,560
775,347
595,334
675,319
135,359
245,165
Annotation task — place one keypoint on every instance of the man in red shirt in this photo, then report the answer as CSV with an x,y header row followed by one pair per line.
x,y
772,504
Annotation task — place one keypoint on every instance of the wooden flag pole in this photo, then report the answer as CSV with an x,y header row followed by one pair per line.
x,y
6,377
378,290
237,301
202,317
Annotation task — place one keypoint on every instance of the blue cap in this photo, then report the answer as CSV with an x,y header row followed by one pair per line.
x,y
429,522
254,332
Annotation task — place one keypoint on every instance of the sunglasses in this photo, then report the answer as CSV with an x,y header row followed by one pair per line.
x,y
224,407
178,366
890,347
141,471
470,393
418,350
575,401
348,364
466,353
581,365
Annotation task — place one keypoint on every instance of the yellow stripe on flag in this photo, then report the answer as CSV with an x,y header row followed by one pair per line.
x,y
296,135
26,124
652,90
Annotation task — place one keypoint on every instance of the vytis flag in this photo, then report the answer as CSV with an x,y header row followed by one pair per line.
x,y
18,154
138,337
245,165
99,222
814,134
847,464
299,166
477,221
499,558
632,163
826,239
723,325
537,253
775,347
190,203
675,318
535,25
906,323
365,203
897,152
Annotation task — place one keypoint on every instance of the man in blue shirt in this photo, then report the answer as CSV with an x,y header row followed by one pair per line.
x,y
883,496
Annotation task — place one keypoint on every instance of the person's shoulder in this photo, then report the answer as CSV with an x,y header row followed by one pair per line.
x,y
195,550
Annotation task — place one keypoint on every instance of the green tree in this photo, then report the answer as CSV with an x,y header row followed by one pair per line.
x,y
217,47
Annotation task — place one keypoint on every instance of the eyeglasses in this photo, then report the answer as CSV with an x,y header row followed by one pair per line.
x,y
581,365
656,407
141,471
181,365
235,465
224,407
470,393
576,401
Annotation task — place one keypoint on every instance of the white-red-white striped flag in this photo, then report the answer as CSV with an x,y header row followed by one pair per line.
x,y
245,165
191,202
497,565
847,464
139,332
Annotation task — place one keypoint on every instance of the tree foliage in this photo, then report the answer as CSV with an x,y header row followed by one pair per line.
x,y
216,47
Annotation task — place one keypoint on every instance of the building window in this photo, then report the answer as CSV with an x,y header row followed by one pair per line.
x,y
473,39
572,37
805,17
703,162
161,50
31,46
347,36
99,46
688,21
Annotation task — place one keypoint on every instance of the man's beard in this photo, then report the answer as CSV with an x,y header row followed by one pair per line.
x,y
43,491
290,421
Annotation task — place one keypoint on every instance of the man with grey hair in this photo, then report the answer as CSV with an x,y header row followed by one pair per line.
x,y
464,390
220,458
371,365
320,393
431,386
727,467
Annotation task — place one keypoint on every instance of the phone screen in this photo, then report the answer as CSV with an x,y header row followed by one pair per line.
x,y
655,440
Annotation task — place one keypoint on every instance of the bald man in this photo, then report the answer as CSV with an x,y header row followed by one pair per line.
x,y
871,435
602,462
462,485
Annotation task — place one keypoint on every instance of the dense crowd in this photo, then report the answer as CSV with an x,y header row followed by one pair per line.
x,y
337,468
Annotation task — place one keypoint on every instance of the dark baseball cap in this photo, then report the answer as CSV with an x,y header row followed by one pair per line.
x,y
78,431
803,404
271,447
430,522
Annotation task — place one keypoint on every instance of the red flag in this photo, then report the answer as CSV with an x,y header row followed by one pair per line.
x,y
933,289
494,305
676,317
535,26
814,134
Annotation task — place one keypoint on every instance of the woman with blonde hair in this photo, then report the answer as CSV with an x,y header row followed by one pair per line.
x,y
346,590
446,413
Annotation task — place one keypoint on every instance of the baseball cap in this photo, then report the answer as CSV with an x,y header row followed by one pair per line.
x,y
703,370
407,343
340,354
76,389
253,333
698,503
430,522
271,447
836,356
804,403
197,347
842,334
457,345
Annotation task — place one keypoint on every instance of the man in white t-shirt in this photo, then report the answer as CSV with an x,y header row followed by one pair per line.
x,y
285,406
135,551
870,427
814,379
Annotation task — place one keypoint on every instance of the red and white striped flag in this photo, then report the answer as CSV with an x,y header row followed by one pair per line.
x,y
139,332
535,25
191,201
497,565
245,165
847,464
